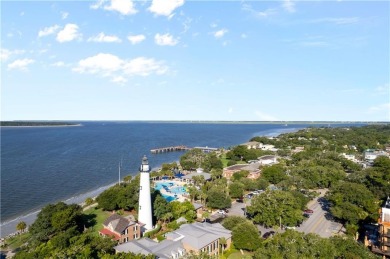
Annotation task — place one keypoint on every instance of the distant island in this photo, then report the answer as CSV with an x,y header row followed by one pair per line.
x,y
36,123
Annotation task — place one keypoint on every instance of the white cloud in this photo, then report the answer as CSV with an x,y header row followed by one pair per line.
x,y
165,7
124,7
258,14
314,44
21,14
64,15
48,30
69,33
119,80
220,33
119,70
135,39
383,89
165,40
265,117
339,21
244,35
289,6
5,54
20,64
230,110
101,37
58,64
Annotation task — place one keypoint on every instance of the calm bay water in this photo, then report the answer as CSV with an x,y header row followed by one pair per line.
x,y
41,165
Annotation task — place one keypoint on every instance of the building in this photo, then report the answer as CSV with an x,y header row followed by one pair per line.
x,y
189,238
199,171
267,147
145,203
253,169
267,160
251,145
370,154
383,247
350,157
121,229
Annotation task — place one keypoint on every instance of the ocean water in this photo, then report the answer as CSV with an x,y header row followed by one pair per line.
x,y
41,165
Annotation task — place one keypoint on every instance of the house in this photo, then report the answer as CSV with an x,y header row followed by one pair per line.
x,y
251,145
189,238
267,160
298,149
198,209
371,154
267,147
383,244
121,229
199,171
253,169
350,157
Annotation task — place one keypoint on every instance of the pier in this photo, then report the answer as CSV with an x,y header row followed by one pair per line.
x,y
169,149
181,148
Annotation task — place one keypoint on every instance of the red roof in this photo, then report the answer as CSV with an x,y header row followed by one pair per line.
x,y
109,233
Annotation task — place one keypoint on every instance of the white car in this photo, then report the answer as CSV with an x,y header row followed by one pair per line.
x,y
221,212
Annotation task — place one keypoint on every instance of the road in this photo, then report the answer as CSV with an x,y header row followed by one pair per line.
x,y
320,222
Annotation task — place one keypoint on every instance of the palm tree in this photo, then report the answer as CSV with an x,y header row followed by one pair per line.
x,y
127,178
21,226
222,242
166,217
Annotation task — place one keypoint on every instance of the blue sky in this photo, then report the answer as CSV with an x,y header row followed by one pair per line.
x,y
195,60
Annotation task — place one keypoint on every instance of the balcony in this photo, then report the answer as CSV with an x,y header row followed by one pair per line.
x,y
379,251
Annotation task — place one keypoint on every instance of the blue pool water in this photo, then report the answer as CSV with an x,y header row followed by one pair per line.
x,y
168,198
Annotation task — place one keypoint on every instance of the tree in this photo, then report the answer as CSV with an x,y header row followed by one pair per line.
x,y
217,198
216,173
292,244
160,207
127,178
273,208
88,201
246,236
352,202
236,190
192,159
21,226
232,221
274,174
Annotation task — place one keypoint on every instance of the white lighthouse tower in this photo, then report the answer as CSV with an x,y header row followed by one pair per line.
x,y
145,203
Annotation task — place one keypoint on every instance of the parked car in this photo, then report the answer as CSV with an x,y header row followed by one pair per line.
x,y
309,211
207,220
268,234
306,215
223,212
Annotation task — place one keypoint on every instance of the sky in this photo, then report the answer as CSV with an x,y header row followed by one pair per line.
x,y
195,60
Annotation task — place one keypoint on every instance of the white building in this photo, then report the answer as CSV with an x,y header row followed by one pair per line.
x,y
371,155
145,203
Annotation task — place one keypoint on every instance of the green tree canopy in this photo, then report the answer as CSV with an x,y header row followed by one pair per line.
x,y
273,208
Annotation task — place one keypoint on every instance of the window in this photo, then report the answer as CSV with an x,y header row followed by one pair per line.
x,y
126,239
139,207
135,236
140,187
135,228
126,231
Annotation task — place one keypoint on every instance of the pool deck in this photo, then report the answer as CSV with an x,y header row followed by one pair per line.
x,y
179,197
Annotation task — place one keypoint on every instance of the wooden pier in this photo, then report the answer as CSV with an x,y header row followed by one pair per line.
x,y
169,149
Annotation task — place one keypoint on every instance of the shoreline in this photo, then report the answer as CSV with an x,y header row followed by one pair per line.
x,y
43,126
9,227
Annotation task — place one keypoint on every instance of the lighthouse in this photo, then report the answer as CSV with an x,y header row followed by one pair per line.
x,y
145,203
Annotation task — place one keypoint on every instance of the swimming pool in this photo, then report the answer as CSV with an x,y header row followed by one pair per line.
x,y
169,187
168,198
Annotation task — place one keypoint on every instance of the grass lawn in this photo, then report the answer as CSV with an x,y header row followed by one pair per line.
x,y
17,241
99,216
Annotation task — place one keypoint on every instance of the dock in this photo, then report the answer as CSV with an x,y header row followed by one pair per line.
x,y
169,149
181,148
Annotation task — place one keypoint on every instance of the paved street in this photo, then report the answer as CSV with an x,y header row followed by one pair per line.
x,y
320,222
